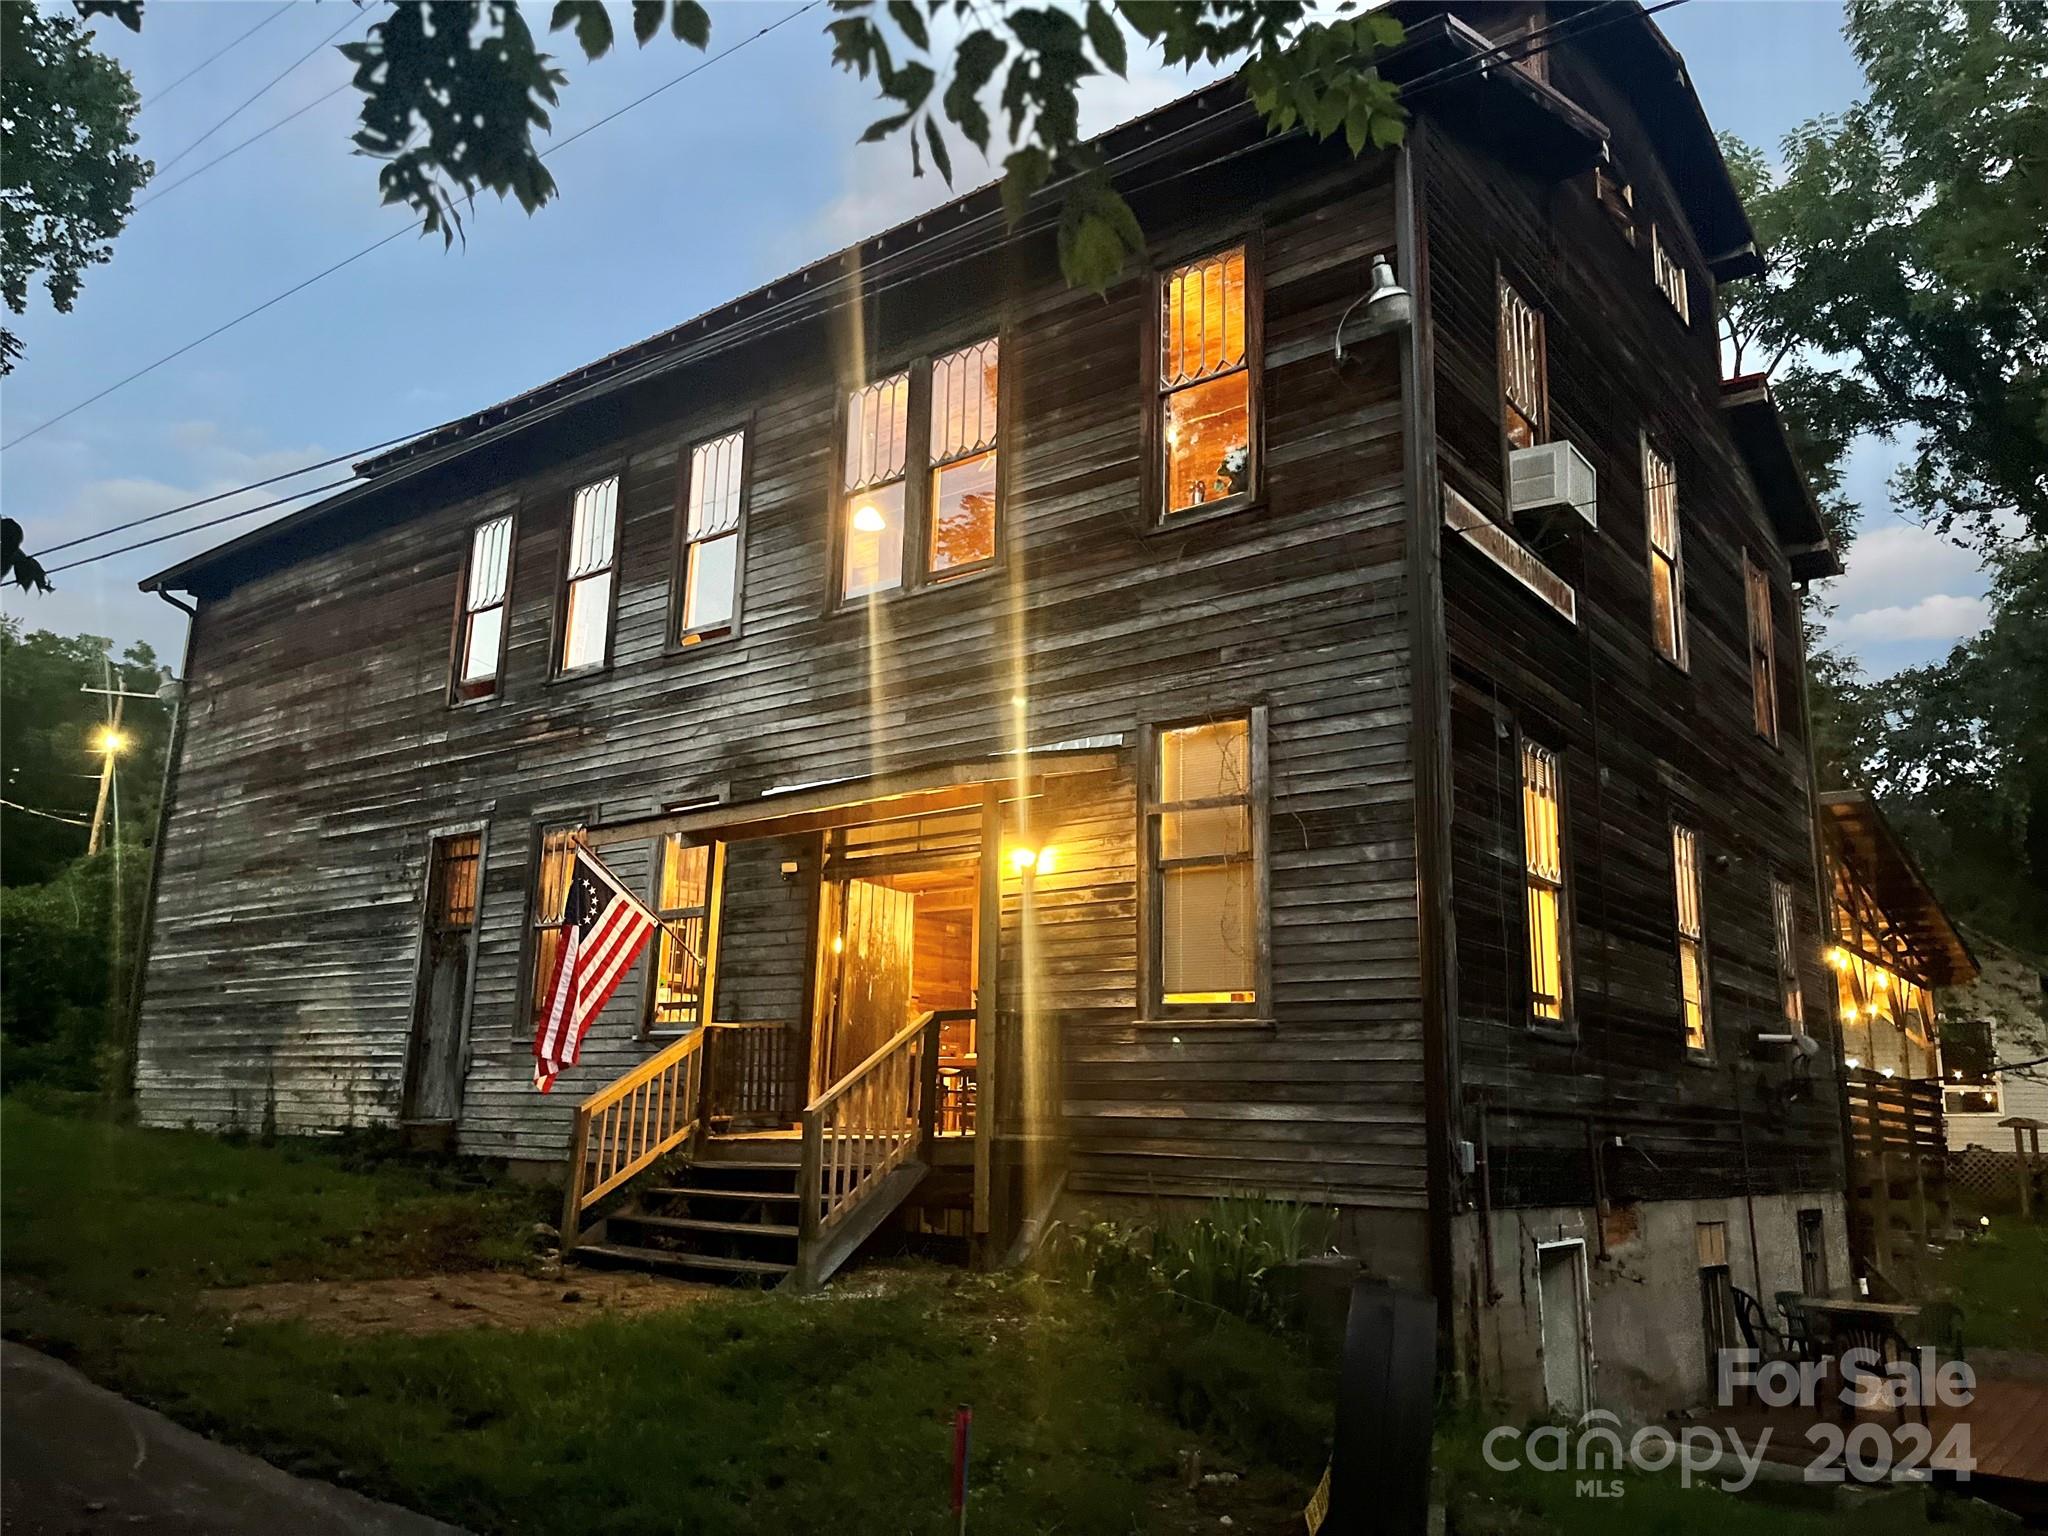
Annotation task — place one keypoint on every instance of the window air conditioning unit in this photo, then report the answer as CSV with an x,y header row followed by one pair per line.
x,y
1553,475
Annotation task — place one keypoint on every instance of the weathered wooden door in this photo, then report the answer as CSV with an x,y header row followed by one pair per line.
x,y
1566,1359
433,1076
867,964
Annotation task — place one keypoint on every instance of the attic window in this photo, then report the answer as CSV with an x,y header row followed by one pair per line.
x,y
1669,275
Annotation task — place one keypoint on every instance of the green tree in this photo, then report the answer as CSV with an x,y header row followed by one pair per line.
x,y
67,949
1958,755
67,177
1908,293
49,751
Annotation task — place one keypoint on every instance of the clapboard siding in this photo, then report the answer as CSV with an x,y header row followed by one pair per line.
x,y
1642,741
321,752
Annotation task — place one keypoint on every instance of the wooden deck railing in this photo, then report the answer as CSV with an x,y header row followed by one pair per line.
x,y
864,1127
627,1125
753,1074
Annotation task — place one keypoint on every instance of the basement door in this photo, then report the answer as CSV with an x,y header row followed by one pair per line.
x,y
433,1068
1561,1270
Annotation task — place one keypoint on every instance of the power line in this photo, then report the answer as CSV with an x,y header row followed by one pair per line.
x,y
230,153
217,53
29,810
1460,69
214,522
353,18
250,314
207,501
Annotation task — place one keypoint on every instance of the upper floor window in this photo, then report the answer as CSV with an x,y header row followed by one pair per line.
x,y
1523,392
942,413
709,574
1667,572
877,453
1694,1011
1618,199
963,456
480,633
1669,275
1543,881
1763,665
1208,358
1207,889
686,898
587,577
1785,930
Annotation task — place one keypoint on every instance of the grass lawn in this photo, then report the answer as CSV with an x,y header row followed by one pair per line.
x,y
740,1414
2000,1275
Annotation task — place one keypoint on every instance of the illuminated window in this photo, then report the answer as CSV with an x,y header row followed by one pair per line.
x,y
1522,389
1543,881
682,964
963,455
1667,570
1206,882
710,569
1205,384
1669,276
1692,940
550,890
1763,665
588,577
480,642
872,509
941,412
1785,927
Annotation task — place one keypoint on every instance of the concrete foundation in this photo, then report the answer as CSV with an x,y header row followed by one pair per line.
x,y
1642,1288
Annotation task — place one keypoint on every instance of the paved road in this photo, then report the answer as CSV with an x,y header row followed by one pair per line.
x,y
76,1460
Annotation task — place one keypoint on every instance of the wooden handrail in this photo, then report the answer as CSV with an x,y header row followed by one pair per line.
x,y
862,1129
630,1124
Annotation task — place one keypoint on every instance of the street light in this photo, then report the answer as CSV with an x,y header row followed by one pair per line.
x,y
112,741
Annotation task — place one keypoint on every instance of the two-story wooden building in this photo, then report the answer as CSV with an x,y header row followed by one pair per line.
x,y
1252,730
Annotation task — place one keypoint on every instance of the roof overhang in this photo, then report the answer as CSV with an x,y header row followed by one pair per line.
x,y
917,791
1859,836
1765,446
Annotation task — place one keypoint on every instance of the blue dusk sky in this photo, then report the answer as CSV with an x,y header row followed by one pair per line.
x,y
729,179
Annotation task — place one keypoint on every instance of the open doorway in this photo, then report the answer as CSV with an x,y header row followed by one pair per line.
x,y
899,937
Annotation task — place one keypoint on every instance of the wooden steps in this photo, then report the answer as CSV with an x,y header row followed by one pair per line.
x,y
733,1213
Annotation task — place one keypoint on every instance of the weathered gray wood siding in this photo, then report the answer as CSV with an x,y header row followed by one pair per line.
x,y
322,752
1642,740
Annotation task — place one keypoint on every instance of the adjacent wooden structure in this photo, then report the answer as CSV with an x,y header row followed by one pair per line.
x,y
964,852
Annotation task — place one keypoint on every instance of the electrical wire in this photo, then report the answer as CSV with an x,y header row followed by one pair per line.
x,y
191,175
214,522
1556,32
158,96
353,19
29,810
325,272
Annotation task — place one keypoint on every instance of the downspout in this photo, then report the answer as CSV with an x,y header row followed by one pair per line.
x,y
131,1023
1429,745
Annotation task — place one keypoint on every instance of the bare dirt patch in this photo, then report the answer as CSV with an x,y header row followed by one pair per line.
x,y
445,1303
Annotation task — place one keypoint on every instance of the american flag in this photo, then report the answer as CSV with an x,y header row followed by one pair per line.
x,y
603,928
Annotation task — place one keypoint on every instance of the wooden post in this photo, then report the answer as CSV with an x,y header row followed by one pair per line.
x,y
928,1087
2022,1168
1881,1210
989,1040
572,1192
809,1179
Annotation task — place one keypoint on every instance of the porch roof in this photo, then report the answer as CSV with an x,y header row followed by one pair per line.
x,y
1858,833
912,791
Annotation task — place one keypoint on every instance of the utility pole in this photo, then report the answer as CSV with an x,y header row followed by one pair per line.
x,y
111,742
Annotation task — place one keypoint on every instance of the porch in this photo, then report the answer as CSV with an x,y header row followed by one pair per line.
x,y
775,1147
